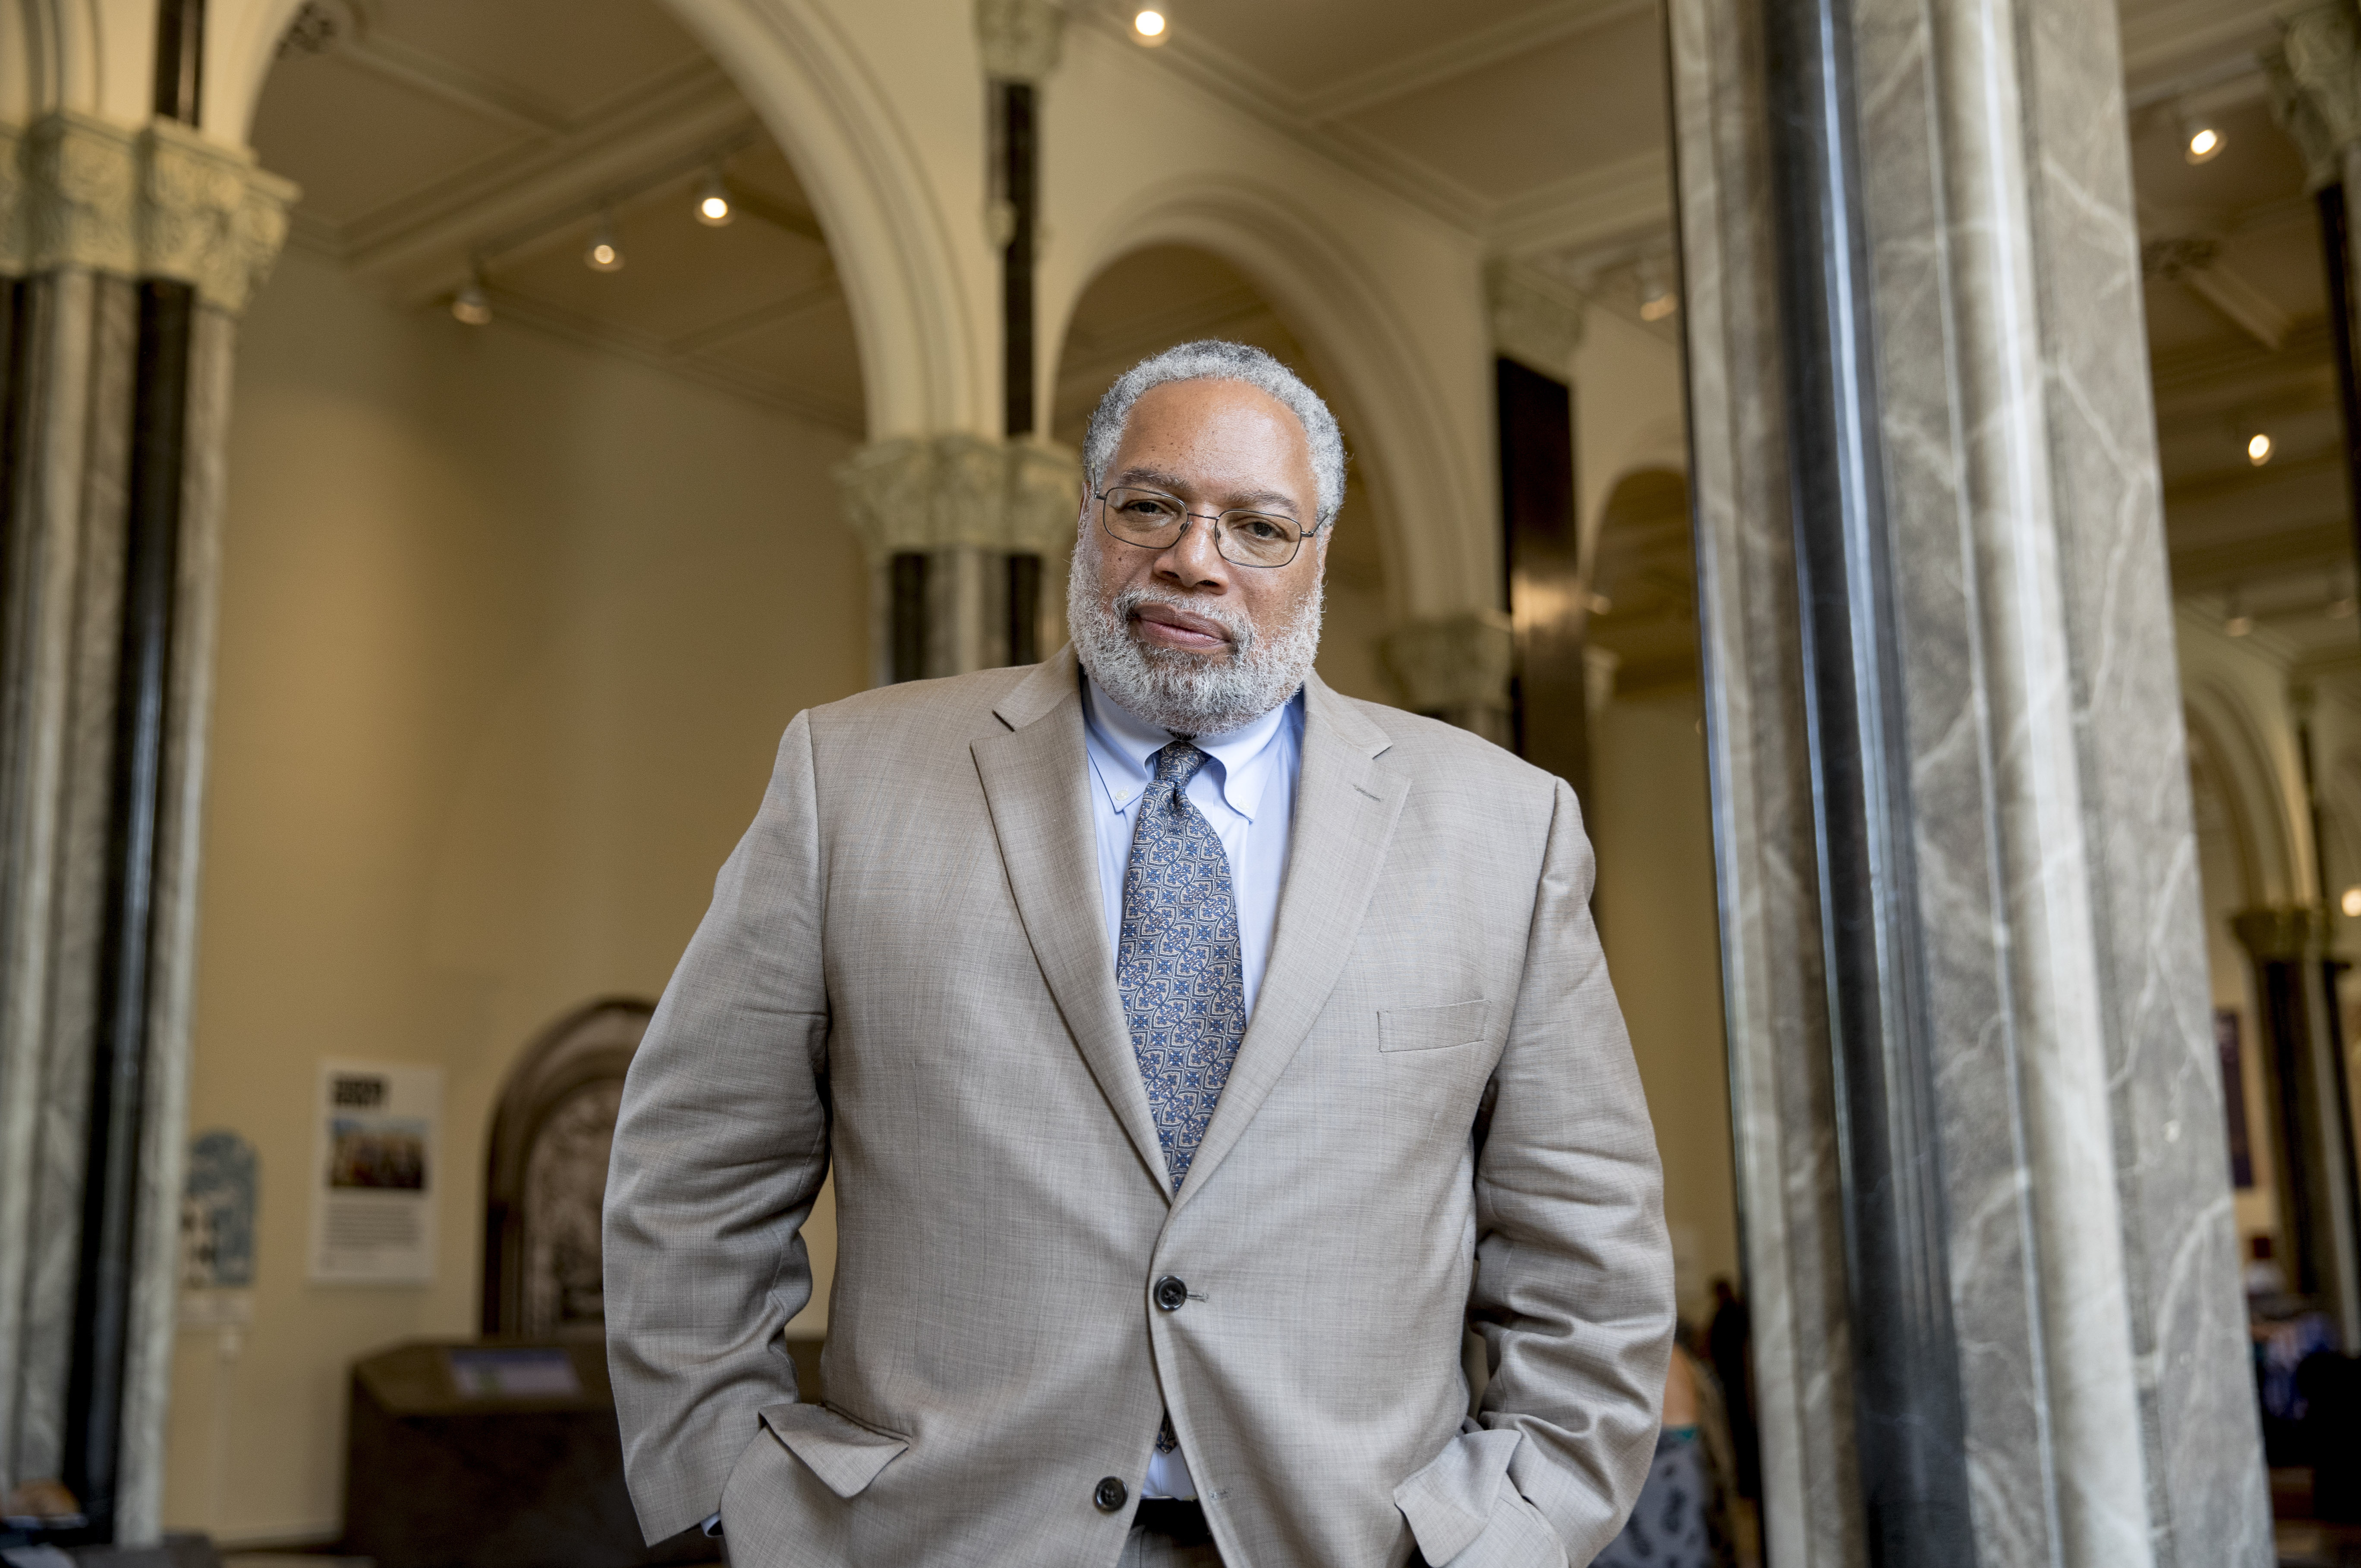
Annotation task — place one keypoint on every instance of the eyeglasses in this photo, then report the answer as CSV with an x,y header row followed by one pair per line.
x,y
1154,520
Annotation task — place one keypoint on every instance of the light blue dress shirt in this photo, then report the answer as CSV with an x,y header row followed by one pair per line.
x,y
1246,791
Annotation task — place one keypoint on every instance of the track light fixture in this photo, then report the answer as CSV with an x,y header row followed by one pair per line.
x,y
1658,298
604,255
2235,621
1151,24
713,209
471,305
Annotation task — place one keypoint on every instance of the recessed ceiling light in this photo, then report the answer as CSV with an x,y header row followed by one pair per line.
x,y
2351,903
604,255
713,209
2201,138
1150,25
2258,449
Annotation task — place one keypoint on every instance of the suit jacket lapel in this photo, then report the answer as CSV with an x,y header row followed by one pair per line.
x,y
1036,783
1346,807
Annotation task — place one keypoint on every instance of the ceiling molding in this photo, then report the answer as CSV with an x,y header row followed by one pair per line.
x,y
417,244
1237,85
423,70
2248,561
721,333
1497,45
645,349
1600,206
2160,37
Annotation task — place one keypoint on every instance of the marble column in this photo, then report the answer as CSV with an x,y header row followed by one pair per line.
x,y
2295,986
92,216
1536,326
1961,940
968,540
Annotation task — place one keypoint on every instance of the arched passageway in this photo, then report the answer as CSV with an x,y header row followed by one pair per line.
x,y
526,563
1164,294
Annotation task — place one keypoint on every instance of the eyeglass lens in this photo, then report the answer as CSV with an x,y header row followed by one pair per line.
x,y
1155,520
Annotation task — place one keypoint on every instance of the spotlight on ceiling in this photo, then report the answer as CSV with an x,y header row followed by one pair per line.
x,y
2235,621
1150,25
2351,903
2258,449
713,209
2201,138
604,255
471,305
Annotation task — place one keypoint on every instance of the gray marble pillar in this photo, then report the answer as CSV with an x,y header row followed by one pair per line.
x,y
2086,1249
87,209
942,517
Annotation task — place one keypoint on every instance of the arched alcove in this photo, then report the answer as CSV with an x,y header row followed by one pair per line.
x,y
546,1172
1155,297
1439,515
913,326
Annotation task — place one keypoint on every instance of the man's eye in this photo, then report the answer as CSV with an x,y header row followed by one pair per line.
x,y
1260,528
1149,510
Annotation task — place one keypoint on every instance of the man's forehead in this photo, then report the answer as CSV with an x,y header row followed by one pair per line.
x,y
1208,420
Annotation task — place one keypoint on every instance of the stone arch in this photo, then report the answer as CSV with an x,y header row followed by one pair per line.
x,y
913,322
1442,541
2251,799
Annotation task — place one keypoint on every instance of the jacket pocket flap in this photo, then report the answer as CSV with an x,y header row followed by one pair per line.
x,y
1431,1028
842,1452
1449,1502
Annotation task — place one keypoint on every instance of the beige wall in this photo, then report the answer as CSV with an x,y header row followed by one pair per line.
x,y
1652,827
509,633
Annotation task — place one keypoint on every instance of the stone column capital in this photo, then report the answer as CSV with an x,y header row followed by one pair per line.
x,y
1537,320
2282,933
936,492
160,201
1021,38
1452,663
2315,82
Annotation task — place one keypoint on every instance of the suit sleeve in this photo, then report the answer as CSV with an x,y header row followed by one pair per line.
x,y
1574,1279
721,1144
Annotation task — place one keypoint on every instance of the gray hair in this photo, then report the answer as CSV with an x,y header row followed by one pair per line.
x,y
1211,359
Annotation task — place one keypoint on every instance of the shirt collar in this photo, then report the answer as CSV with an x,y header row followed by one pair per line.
x,y
1125,746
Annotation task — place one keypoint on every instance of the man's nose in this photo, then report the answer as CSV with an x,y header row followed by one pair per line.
x,y
1192,561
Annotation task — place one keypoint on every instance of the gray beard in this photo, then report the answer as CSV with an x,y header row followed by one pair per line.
x,y
1186,693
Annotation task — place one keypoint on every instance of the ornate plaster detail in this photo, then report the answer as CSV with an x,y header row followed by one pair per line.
x,y
1537,320
158,203
1452,665
81,182
2315,77
208,216
941,492
1021,38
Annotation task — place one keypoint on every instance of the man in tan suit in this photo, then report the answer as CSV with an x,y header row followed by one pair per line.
x,y
1198,1053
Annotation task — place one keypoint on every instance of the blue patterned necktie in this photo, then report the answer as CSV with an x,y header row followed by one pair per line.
x,y
1182,981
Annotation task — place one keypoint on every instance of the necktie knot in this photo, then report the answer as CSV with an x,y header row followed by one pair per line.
x,y
1178,763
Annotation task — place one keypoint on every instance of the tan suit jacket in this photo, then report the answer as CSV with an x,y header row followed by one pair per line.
x,y
1433,1121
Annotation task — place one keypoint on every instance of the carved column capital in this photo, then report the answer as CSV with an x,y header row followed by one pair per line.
x,y
1537,320
162,201
936,492
1455,666
1021,38
2282,933
2315,78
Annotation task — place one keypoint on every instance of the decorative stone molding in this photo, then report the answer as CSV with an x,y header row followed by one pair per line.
x,y
162,202
2286,933
1021,38
942,491
2315,78
1455,665
1537,320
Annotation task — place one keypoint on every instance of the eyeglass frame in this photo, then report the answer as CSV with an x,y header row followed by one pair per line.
x,y
1186,517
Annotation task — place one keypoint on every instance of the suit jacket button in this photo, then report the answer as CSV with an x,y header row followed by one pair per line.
x,y
1170,1293
1109,1493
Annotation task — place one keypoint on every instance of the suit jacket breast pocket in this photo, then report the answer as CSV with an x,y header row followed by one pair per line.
x,y
1431,1028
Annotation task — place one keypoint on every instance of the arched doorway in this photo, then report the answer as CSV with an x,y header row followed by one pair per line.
x,y
1165,295
512,613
